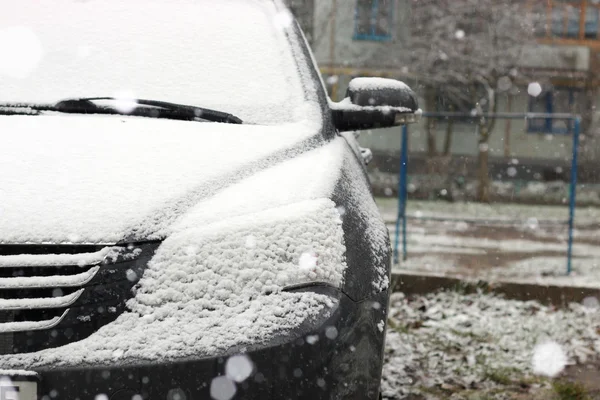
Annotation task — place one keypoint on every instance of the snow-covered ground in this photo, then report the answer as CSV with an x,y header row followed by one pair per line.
x,y
518,191
452,345
447,344
517,243
420,208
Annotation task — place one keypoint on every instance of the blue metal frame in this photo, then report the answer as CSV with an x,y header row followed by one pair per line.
x,y
373,25
402,179
402,196
573,191
548,125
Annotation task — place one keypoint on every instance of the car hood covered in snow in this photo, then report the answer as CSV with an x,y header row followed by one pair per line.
x,y
84,179
244,210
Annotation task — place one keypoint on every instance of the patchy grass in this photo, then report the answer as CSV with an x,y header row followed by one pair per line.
x,y
530,380
566,390
393,325
501,376
479,346
498,393
471,335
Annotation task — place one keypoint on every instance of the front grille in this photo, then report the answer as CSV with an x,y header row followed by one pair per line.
x,y
54,295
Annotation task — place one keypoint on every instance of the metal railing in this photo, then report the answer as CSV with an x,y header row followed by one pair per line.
x,y
401,219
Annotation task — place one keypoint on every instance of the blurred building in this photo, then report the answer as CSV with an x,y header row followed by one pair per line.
x,y
303,10
369,37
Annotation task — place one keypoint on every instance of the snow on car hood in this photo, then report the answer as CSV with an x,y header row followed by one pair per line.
x,y
206,291
75,179
215,284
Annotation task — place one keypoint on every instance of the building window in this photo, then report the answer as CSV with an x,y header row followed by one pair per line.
x,y
571,19
557,101
565,20
374,20
591,22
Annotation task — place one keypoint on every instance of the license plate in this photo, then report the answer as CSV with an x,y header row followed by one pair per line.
x,y
13,389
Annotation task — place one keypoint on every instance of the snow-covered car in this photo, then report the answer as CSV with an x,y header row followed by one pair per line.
x,y
181,213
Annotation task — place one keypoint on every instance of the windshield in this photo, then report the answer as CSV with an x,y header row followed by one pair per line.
x,y
225,55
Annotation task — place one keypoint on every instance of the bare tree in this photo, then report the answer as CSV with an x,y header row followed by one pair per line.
x,y
471,49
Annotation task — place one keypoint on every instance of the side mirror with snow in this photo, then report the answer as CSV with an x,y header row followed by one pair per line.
x,y
375,103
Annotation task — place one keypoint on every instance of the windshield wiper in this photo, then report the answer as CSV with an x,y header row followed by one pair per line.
x,y
140,107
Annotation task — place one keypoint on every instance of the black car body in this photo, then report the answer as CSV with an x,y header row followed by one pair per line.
x,y
176,253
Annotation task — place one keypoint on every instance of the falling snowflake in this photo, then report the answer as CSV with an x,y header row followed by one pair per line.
x,y
549,359
222,388
124,102
504,83
332,80
532,223
283,20
308,261
191,250
238,368
534,89
312,339
118,353
21,51
73,237
591,302
331,332
131,275
250,242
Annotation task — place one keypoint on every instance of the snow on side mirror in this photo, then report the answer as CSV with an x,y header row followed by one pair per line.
x,y
375,103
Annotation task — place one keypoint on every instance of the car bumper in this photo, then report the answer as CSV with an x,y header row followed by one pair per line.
x,y
340,358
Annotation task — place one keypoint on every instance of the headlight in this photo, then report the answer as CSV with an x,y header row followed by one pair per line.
x,y
238,259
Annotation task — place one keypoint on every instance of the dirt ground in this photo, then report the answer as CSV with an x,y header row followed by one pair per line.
x,y
588,376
